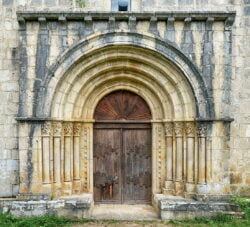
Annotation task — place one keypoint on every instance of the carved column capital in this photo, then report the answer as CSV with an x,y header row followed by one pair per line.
x,y
202,130
57,128
68,129
77,129
190,129
169,129
178,128
46,129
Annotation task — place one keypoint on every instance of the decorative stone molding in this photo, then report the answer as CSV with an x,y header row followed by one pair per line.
x,y
57,128
169,129
190,129
187,157
180,148
86,153
77,129
160,16
158,157
68,129
46,129
178,128
202,130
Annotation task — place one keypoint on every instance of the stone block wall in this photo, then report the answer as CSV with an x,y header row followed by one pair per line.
x,y
239,166
231,95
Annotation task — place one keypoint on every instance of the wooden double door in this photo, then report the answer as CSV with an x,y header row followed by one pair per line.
x,y
122,163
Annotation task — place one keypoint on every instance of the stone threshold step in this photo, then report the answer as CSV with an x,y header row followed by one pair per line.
x,y
124,212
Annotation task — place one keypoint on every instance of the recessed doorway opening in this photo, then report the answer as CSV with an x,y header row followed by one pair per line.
x,y
122,150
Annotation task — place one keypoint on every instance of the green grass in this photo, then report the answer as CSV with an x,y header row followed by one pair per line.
x,y
46,221
7,220
216,221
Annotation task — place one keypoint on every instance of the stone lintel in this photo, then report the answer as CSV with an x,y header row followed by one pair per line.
x,y
160,16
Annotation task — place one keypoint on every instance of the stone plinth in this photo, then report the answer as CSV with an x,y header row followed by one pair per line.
x,y
178,209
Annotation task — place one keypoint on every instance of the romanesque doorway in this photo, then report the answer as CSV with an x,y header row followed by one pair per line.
x,y
122,150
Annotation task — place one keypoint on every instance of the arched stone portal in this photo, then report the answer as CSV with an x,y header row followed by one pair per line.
x,y
170,84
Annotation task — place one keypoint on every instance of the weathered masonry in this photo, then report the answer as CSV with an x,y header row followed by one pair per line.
x,y
128,106
78,58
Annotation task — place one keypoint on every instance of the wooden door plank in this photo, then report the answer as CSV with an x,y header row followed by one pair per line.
x,y
137,171
107,163
122,105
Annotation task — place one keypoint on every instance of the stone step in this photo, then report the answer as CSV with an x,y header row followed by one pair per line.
x,y
124,212
185,209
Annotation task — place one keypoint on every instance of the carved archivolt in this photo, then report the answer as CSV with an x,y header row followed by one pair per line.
x,y
176,143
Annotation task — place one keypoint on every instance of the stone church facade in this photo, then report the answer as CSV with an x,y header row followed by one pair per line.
x,y
171,76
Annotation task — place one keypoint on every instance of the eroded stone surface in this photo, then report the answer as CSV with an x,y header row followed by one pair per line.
x,y
38,82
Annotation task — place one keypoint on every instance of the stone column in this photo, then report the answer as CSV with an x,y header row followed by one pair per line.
x,y
57,133
190,157
68,158
178,128
76,158
169,187
202,132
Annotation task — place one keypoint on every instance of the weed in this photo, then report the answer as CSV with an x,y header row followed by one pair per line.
x,y
244,205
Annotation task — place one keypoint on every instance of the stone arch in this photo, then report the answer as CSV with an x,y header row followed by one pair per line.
x,y
141,63
154,64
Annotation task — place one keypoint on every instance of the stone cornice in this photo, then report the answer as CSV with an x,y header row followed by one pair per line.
x,y
228,16
38,119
